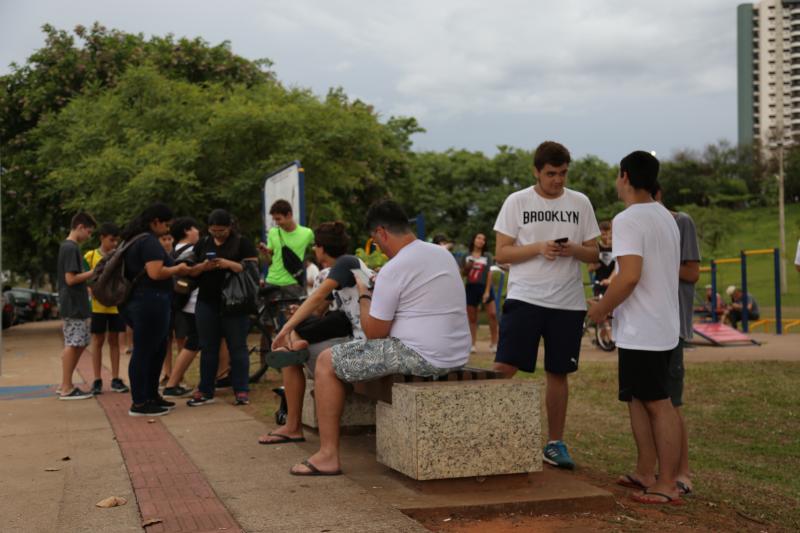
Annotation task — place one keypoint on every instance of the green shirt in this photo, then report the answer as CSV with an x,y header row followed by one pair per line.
x,y
298,241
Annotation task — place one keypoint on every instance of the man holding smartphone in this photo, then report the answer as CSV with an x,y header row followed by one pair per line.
x,y
545,232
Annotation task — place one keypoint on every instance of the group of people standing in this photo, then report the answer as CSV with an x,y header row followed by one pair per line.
x,y
410,317
153,311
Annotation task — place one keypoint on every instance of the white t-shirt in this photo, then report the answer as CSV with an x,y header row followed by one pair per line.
x,y
421,292
649,319
797,257
186,251
312,271
528,217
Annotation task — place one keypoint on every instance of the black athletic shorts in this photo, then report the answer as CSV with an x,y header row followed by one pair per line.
x,y
523,324
475,294
676,373
186,328
644,375
330,326
107,322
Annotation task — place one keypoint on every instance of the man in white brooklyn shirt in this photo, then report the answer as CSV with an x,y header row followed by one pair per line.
x,y
644,298
545,232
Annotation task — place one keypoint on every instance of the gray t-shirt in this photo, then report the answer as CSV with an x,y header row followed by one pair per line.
x,y
689,252
73,301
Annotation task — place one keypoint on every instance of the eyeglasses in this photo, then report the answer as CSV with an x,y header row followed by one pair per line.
x,y
217,232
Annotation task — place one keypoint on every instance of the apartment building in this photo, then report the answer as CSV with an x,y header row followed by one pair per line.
x,y
768,57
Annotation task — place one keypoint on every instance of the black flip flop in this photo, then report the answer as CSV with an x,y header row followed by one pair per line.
x,y
669,500
314,471
281,358
284,439
684,489
631,482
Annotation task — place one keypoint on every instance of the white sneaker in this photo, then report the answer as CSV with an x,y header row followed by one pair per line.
x,y
473,350
493,348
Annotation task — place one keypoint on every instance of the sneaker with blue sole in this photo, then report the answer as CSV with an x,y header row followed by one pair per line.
x,y
556,454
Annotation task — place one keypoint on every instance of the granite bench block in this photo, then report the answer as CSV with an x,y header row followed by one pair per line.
x,y
442,430
358,410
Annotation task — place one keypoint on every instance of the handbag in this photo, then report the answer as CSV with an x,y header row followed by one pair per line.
x,y
183,286
240,290
293,264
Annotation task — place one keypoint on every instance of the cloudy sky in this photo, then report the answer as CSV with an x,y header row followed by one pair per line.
x,y
602,76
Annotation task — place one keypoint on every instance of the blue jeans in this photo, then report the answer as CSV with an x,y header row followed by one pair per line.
x,y
212,327
148,313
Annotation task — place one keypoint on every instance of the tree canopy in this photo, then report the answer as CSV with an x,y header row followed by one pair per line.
x,y
108,122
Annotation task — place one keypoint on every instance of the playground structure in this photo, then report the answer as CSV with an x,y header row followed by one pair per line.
x,y
781,324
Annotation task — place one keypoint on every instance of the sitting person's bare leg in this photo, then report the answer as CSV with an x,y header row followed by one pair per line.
x,y
224,361
294,388
329,397
182,363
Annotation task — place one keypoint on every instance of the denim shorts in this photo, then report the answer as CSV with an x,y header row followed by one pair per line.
x,y
363,360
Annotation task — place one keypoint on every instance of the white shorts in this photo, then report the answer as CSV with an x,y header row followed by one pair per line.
x,y
76,332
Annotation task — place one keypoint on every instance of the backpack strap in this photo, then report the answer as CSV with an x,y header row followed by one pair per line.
x,y
124,248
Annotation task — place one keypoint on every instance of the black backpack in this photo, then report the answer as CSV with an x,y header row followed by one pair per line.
x,y
109,285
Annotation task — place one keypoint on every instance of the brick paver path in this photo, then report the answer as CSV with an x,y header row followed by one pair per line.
x,y
168,486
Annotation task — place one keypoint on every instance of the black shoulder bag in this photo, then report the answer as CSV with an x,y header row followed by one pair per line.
x,y
293,264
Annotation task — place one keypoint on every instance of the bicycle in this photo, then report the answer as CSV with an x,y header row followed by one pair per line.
x,y
602,337
272,311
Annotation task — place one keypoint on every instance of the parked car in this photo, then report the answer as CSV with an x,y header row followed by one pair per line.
x,y
28,306
49,305
55,310
9,311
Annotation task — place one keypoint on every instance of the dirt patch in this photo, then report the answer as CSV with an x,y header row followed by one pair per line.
x,y
699,514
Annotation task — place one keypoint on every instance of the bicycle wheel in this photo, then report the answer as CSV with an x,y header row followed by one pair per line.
x,y
259,343
602,336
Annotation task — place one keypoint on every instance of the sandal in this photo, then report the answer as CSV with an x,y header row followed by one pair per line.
x,y
631,482
683,488
281,358
668,500
314,471
283,439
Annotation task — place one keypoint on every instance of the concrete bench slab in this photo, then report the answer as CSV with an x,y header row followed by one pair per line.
x,y
454,429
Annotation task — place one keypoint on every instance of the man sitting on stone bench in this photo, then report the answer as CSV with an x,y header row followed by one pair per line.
x,y
415,323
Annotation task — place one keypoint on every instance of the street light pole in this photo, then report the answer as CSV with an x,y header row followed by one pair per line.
x,y
782,220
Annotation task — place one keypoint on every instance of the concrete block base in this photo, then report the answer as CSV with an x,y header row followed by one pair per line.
x,y
444,430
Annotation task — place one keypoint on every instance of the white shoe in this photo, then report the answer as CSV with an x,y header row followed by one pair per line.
x,y
473,349
493,348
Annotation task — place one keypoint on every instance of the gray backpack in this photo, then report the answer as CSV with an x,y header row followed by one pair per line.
x,y
109,285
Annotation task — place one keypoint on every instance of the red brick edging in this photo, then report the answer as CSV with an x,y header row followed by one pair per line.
x,y
167,484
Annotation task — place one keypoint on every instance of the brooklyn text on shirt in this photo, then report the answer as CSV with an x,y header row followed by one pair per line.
x,y
553,215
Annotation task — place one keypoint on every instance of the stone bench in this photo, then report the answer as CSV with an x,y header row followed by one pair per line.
x,y
470,423
381,389
362,397
452,429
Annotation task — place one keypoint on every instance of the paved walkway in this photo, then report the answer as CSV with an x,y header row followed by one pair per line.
x,y
169,487
194,470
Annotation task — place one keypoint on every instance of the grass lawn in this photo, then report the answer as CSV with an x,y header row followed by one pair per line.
x,y
743,421
753,229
